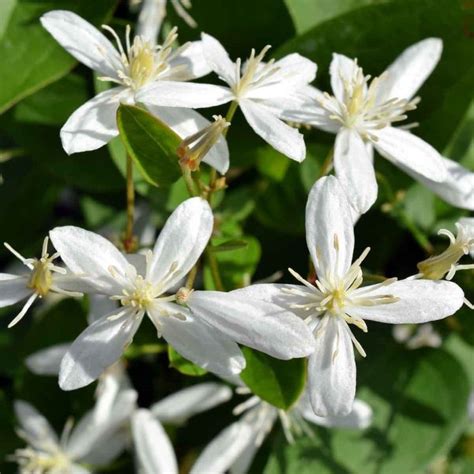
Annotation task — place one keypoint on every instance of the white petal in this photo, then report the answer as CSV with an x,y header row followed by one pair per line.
x,y
342,69
90,255
186,122
200,343
47,361
193,58
332,370
182,405
218,59
354,170
181,242
96,349
405,149
457,189
329,231
279,135
419,301
12,289
34,425
411,69
83,41
295,69
224,449
183,94
93,124
254,323
153,447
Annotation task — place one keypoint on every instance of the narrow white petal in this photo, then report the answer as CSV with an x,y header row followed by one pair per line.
x,y
91,255
275,132
83,41
341,69
95,349
47,361
183,94
13,289
419,301
257,324
93,124
329,230
181,242
332,370
295,69
411,69
153,447
193,58
354,170
182,405
218,59
409,151
186,122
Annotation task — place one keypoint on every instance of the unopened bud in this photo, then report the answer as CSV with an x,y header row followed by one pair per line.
x,y
182,295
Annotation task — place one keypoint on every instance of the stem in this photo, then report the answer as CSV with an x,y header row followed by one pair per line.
x,y
327,163
188,180
216,276
128,241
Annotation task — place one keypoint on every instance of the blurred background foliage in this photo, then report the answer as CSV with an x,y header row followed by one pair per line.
x,y
419,397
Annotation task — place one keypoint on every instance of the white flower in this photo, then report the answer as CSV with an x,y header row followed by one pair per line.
x,y
204,332
362,114
235,447
414,337
261,90
42,278
134,67
91,442
338,299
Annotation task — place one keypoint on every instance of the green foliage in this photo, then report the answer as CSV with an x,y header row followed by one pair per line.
x,y
178,362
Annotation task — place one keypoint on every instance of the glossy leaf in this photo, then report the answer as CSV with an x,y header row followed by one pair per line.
x,y
183,365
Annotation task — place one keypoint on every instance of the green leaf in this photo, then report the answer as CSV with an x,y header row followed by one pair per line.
x,y
151,144
6,10
228,246
278,382
31,58
183,365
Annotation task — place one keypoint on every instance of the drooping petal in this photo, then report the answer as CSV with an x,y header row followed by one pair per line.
x,y
198,342
354,170
47,361
332,370
329,230
154,451
257,324
182,405
181,242
419,301
275,132
218,59
342,69
92,256
411,69
83,41
186,122
183,94
13,288
405,149
193,58
95,349
93,124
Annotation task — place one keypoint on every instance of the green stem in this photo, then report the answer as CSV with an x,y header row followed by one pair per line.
x,y
129,238
188,179
214,267
327,163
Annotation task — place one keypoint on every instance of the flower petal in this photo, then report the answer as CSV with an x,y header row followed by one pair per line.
x,y
153,447
91,255
332,370
13,289
181,242
329,230
279,135
419,301
218,59
411,69
193,57
354,170
98,306
405,149
183,94
47,361
342,69
254,323
182,405
83,41
96,349
186,122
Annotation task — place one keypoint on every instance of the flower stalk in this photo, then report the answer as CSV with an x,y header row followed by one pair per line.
x,y
129,241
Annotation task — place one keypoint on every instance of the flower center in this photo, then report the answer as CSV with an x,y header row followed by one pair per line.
x,y
41,277
34,462
141,296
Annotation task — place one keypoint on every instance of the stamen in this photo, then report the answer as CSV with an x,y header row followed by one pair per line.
x,y
24,310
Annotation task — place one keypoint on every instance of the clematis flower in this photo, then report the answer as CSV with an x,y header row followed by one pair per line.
x,y
235,447
261,90
132,68
204,332
43,277
338,299
91,442
414,337
363,115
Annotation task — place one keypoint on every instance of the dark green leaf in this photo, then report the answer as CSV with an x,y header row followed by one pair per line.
x,y
183,365
228,246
